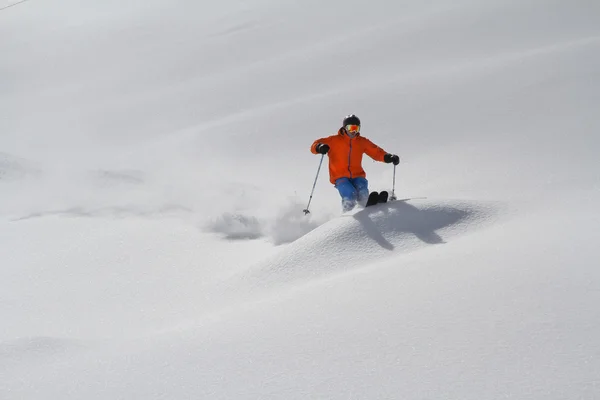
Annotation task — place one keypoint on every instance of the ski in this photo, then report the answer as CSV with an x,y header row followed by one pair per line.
x,y
376,198
373,199
383,197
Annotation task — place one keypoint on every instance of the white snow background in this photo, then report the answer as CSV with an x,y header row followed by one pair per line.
x,y
154,165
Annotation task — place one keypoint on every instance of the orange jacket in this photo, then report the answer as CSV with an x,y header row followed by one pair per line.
x,y
345,155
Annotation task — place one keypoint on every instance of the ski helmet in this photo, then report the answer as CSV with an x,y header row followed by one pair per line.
x,y
351,120
351,125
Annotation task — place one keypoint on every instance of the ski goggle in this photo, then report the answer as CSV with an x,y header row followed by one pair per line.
x,y
352,128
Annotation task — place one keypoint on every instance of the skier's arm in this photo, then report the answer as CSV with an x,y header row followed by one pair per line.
x,y
313,148
374,151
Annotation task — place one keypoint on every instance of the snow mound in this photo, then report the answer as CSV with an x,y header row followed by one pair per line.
x,y
13,168
117,178
358,239
35,347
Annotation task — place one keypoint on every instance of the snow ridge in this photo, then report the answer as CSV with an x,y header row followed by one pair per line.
x,y
360,238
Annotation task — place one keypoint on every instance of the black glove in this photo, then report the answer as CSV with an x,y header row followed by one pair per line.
x,y
391,158
322,148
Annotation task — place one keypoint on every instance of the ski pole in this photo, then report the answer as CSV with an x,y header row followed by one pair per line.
x,y
394,184
306,211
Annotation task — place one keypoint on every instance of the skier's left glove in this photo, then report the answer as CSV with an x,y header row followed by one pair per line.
x,y
391,158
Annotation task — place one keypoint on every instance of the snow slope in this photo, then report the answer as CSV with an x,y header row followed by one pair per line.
x,y
154,165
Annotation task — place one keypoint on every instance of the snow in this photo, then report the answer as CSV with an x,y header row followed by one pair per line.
x,y
154,165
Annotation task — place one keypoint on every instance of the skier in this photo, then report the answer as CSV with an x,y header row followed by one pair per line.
x,y
345,151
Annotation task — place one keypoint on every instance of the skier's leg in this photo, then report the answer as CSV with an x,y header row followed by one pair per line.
x,y
362,190
348,193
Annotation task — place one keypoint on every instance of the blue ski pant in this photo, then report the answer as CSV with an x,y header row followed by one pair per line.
x,y
352,190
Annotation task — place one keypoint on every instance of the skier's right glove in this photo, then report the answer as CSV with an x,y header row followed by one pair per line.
x,y
391,158
322,148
